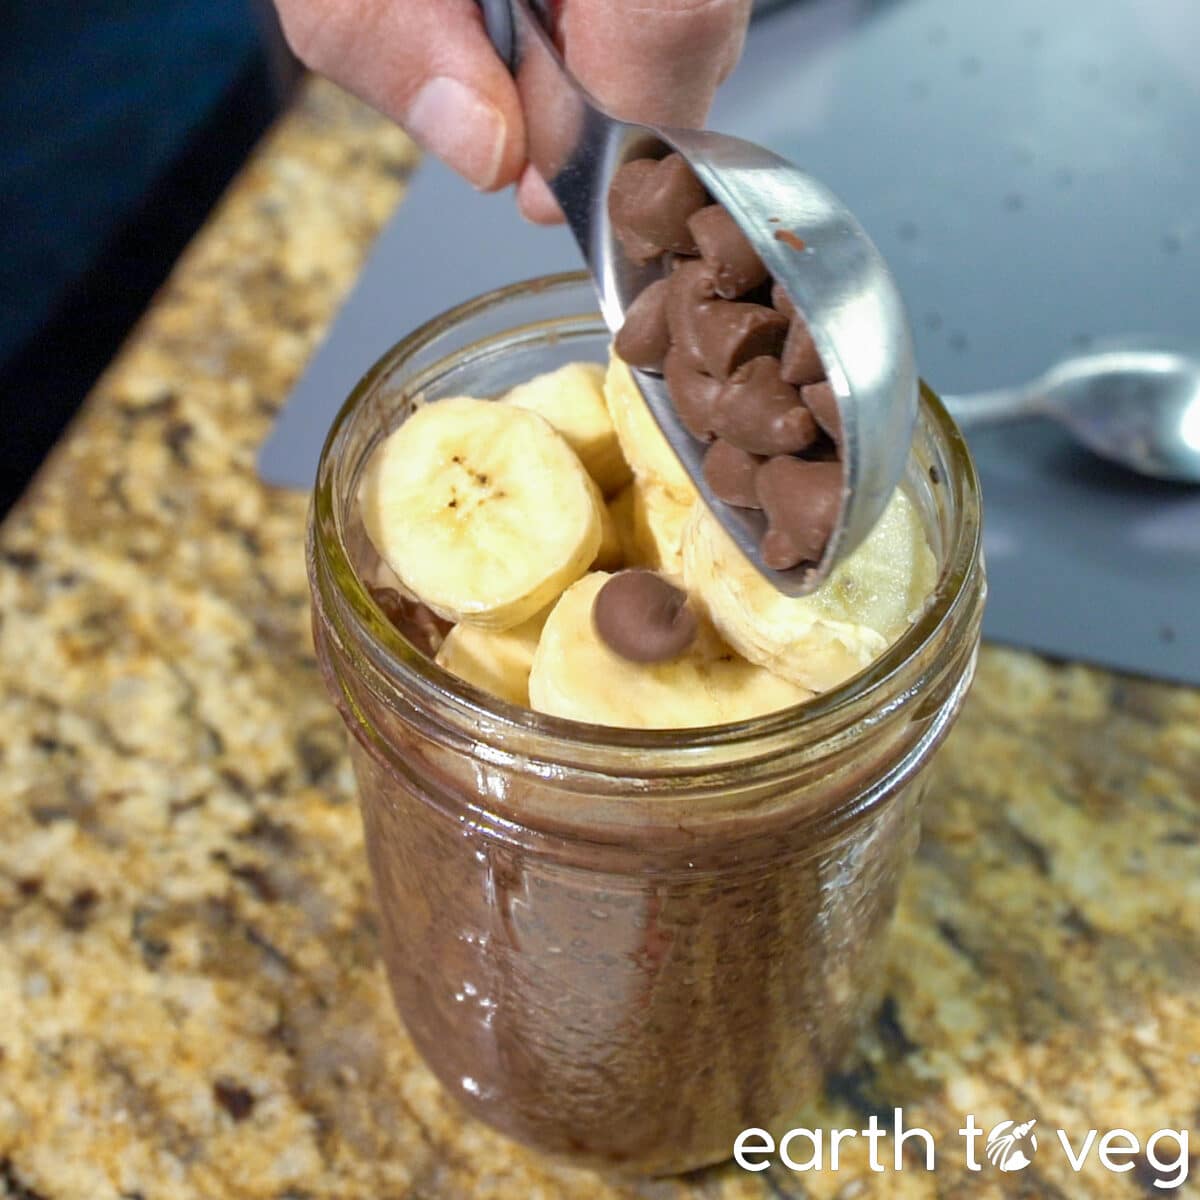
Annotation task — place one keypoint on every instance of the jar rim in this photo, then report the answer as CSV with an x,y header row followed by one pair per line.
x,y
399,663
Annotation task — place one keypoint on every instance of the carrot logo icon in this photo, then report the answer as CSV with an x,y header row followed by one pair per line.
x,y
1011,1147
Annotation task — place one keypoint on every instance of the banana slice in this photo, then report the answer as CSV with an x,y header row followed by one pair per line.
x,y
576,675
649,525
611,555
645,448
816,641
498,661
572,400
659,519
620,509
482,509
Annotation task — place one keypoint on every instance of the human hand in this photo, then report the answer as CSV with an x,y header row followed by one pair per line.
x,y
430,67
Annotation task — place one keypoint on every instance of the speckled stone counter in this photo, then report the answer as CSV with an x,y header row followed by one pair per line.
x,y
190,1002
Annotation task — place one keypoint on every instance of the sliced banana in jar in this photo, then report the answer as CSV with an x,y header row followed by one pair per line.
x,y
482,510
576,675
572,400
821,640
611,555
496,660
620,509
646,449
649,524
659,519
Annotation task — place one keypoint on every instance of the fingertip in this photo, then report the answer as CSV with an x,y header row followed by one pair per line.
x,y
535,201
509,167
502,95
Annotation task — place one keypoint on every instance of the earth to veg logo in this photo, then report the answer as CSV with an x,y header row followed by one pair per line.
x,y
1010,1146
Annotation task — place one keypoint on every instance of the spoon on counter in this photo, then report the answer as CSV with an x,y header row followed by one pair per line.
x,y
1132,401
835,276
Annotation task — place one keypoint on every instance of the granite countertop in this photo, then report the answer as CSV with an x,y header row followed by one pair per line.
x,y
190,1001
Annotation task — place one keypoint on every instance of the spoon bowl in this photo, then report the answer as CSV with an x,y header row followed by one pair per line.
x,y
1134,402
806,237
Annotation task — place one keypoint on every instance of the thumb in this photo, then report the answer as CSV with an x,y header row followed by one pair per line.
x,y
429,67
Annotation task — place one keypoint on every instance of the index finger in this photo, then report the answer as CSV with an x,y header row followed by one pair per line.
x,y
657,61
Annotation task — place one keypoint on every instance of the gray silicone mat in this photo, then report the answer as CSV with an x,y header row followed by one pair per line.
x,y
1032,173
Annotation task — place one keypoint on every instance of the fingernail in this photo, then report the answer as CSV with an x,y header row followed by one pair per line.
x,y
460,127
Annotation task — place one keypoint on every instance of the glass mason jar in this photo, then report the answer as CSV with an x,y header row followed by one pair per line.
x,y
620,946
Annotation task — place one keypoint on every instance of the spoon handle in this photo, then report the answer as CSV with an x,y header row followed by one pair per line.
x,y
565,131
990,408
498,21
571,141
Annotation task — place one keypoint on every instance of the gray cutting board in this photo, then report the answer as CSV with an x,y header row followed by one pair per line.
x,y
1032,173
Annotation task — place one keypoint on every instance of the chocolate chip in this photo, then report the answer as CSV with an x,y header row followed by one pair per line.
x,y
732,332
655,204
801,500
642,617
801,363
643,339
730,473
690,287
824,449
725,248
759,413
818,398
693,394
622,201
737,370
782,301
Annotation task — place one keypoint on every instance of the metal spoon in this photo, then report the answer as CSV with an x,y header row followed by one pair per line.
x,y
839,282
1135,402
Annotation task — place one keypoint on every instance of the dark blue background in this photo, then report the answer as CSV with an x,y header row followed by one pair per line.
x,y
120,123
